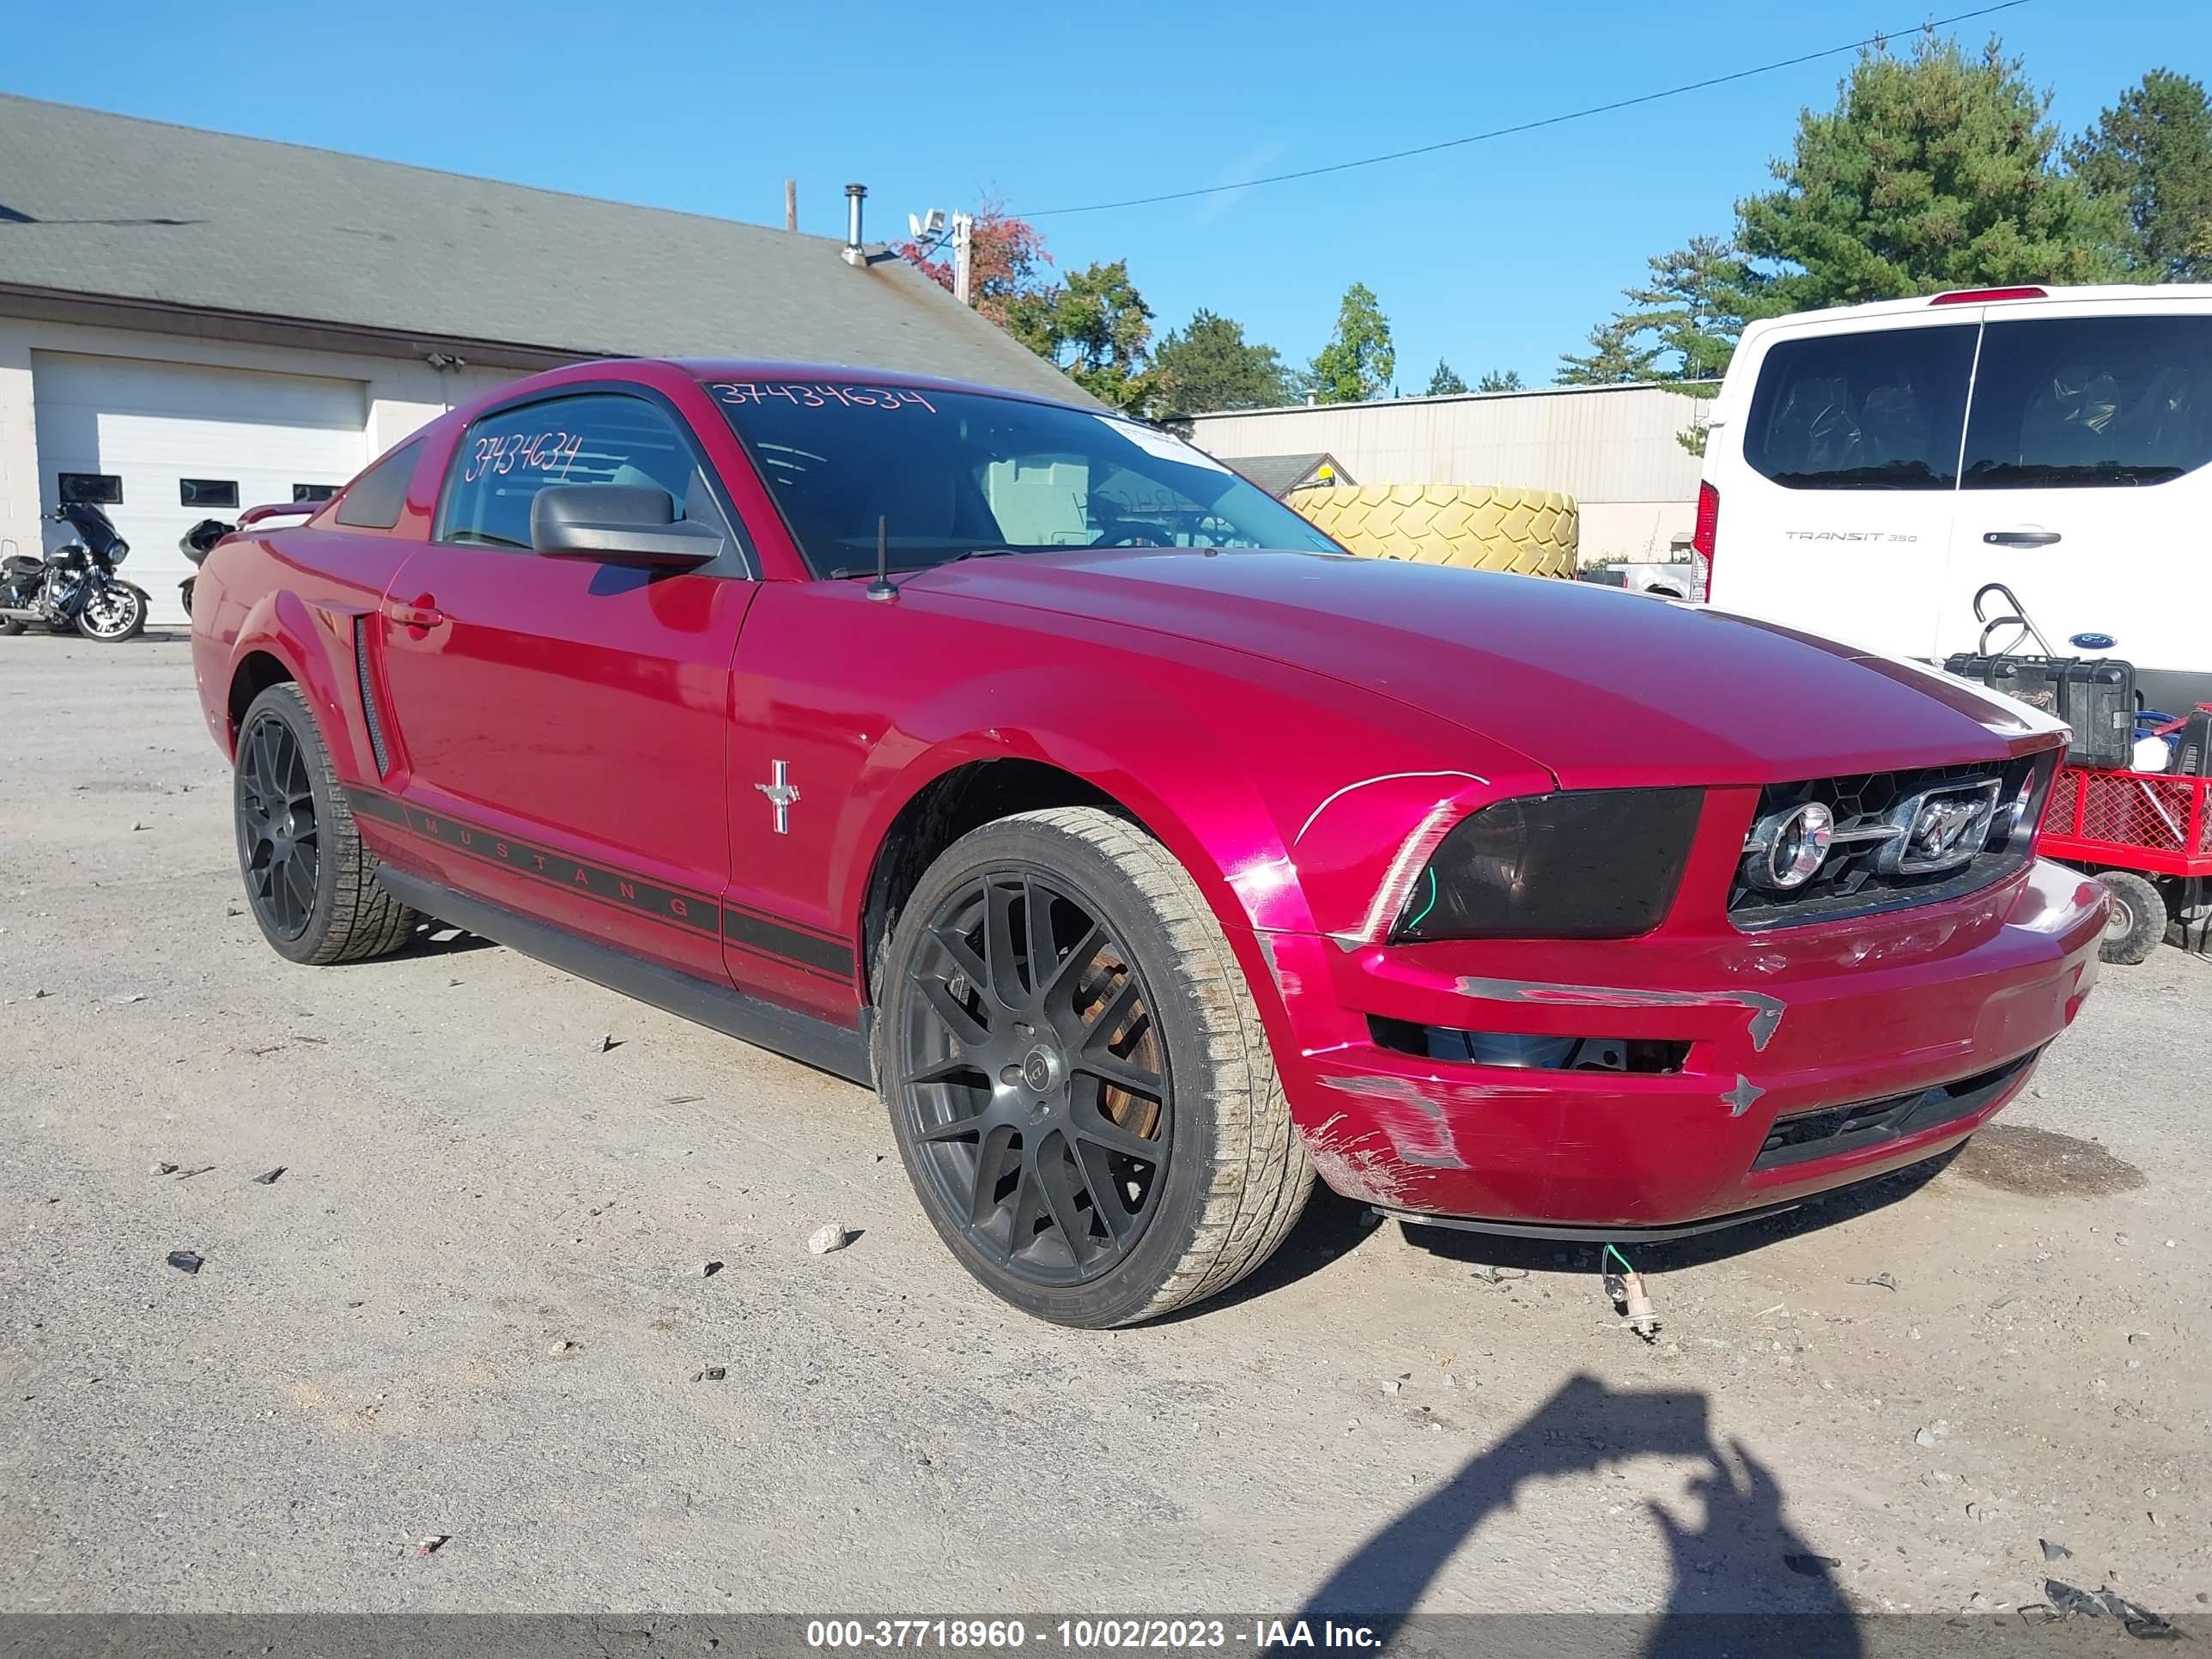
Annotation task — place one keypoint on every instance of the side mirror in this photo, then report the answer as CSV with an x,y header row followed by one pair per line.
x,y
634,525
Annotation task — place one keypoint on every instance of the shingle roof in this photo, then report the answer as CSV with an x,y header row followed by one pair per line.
x,y
1278,475
134,210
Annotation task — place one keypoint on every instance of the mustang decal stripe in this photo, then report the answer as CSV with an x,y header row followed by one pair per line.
x,y
676,907
780,938
695,912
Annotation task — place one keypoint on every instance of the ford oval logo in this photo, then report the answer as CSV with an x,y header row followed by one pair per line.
x,y
2092,642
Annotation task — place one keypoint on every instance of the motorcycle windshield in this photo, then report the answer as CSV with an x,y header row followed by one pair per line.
x,y
92,526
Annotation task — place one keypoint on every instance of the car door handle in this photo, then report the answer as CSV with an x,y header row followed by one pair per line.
x,y
2021,537
422,613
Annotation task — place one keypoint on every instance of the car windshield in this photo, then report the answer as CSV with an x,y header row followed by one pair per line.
x,y
948,474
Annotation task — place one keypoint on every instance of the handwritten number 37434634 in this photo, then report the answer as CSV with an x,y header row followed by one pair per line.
x,y
552,451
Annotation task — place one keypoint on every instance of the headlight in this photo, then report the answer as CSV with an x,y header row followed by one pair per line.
x,y
1581,864
120,551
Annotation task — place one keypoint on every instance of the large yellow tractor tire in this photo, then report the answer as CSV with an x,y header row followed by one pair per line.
x,y
1530,533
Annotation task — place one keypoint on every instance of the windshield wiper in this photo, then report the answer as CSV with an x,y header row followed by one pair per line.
x,y
844,570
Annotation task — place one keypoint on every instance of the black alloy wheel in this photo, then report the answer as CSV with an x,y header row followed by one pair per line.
x,y
278,841
310,881
1035,1083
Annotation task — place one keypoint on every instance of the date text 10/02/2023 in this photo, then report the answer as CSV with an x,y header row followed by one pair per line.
x,y
1008,1635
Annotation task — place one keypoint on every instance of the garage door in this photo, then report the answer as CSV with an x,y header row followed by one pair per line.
x,y
178,443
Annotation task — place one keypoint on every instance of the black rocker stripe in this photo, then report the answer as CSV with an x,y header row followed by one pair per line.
x,y
781,939
694,912
676,906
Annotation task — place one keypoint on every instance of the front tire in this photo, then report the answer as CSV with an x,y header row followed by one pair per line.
x,y
1079,1085
310,883
2138,924
113,615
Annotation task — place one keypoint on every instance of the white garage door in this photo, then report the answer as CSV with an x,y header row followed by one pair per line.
x,y
177,441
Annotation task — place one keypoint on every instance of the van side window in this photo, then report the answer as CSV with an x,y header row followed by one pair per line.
x,y
2068,401
1875,410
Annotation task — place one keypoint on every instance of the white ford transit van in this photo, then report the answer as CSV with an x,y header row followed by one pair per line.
x,y
1870,469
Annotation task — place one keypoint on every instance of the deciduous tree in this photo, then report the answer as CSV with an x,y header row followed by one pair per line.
x,y
1445,381
1500,379
1097,327
1008,257
1359,360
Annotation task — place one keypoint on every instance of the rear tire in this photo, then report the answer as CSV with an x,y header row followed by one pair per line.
x,y
2138,920
1079,1198
310,883
9,628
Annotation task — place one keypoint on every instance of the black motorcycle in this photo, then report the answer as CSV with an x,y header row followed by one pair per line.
x,y
76,584
196,544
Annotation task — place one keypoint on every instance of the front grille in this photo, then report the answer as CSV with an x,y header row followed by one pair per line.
x,y
1804,1136
1849,883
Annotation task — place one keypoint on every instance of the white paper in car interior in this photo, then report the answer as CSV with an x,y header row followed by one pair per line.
x,y
1167,448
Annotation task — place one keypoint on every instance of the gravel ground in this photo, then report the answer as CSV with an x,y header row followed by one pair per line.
x,y
473,1307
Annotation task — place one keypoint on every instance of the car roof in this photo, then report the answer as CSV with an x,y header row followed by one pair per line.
x,y
2115,293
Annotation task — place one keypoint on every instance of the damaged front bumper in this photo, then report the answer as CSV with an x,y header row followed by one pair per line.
x,y
1743,1072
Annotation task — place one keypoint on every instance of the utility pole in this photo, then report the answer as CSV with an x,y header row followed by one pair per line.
x,y
791,205
963,257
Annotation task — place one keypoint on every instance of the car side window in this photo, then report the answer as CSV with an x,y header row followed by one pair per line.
x,y
2065,402
504,460
375,500
1880,410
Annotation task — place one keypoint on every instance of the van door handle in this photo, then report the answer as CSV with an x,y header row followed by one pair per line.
x,y
2021,537
424,613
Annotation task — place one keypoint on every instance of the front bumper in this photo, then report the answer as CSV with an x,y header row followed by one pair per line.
x,y
1871,1013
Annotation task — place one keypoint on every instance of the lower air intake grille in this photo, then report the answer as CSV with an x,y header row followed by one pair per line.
x,y
1804,1136
368,708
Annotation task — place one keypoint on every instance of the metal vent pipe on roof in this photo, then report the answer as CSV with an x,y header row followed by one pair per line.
x,y
854,194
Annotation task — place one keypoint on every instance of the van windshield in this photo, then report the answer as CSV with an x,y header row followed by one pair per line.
x,y
946,474
2065,402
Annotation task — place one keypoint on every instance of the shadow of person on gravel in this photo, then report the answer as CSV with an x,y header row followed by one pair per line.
x,y
1743,1565
1745,1582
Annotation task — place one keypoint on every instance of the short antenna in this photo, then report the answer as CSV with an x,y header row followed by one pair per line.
x,y
881,588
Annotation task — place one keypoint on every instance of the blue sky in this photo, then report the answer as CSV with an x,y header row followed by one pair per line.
x,y
1499,254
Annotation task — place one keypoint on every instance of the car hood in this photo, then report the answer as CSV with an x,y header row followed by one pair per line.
x,y
1604,688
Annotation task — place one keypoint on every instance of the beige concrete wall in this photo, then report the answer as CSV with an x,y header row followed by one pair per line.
x,y
401,394
1635,532
19,447
1605,445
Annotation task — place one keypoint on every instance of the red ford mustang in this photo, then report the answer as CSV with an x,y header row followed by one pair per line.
x,y
1150,854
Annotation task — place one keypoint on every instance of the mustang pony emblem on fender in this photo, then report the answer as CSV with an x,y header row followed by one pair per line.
x,y
782,794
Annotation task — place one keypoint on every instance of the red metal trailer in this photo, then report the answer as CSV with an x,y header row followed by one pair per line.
x,y
2148,836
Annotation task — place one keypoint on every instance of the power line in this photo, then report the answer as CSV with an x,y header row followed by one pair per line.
x,y
1526,126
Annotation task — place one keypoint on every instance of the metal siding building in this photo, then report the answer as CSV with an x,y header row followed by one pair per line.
x,y
1612,447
